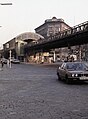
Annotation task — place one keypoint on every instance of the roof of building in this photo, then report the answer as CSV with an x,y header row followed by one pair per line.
x,y
53,20
29,36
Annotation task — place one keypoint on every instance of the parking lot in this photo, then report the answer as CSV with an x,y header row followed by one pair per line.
x,y
31,91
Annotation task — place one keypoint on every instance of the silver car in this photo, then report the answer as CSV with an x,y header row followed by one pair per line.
x,y
15,61
70,71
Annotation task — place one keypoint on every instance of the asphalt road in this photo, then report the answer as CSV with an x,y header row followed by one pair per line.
x,y
29,91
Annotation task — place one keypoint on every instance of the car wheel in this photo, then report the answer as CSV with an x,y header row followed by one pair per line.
x,y
59,78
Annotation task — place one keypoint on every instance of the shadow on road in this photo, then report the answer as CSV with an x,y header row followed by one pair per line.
x,y
73,82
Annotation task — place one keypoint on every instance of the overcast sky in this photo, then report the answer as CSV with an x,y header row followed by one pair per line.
x,y
26,15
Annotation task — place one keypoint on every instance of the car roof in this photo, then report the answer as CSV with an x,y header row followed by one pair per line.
x,y
73,62
65,63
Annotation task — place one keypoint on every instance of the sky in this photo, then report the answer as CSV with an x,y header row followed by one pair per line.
x,y
26,15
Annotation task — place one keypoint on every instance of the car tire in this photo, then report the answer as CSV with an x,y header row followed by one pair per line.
x,y
59,78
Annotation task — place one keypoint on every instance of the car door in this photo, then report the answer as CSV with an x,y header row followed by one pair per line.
x,y
62,71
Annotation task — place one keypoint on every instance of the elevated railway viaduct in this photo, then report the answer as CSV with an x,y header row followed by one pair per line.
x,y
78,35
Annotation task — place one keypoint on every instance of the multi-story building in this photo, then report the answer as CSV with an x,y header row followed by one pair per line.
x,y
13,46
51,27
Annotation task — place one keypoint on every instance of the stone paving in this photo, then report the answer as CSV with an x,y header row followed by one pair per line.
x,y
29,91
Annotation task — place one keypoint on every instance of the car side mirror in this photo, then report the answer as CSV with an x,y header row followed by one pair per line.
x,y
64,68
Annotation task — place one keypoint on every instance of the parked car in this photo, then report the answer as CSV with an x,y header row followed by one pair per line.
x,y
70,71
15,61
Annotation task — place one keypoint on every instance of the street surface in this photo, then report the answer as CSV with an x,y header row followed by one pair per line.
x,y
31,91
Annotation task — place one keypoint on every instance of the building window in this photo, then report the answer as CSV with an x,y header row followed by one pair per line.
x,y
7,45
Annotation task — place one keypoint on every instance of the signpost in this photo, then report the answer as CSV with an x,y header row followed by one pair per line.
x,y
10,58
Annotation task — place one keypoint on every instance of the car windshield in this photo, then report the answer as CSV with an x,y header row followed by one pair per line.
x,y
76,66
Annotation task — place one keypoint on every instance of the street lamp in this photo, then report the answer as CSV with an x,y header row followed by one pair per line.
x,y
1,26
5,3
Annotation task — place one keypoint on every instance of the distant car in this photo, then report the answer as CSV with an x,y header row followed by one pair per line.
x,y
70,71
15,61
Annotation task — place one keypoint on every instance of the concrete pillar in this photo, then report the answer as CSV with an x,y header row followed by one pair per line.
x,y
80,53
54,56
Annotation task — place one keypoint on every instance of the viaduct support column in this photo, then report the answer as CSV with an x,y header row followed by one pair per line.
x,y
54,56
80,54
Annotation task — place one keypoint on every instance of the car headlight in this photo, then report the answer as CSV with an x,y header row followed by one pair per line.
x,y
74,75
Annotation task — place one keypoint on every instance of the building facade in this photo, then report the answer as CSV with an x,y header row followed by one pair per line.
x,y
16,45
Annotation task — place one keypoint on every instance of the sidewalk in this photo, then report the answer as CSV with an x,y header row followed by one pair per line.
x,y
56,64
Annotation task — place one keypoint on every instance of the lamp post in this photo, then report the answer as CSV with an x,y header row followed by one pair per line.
x,y
5,4
0,26
10,58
